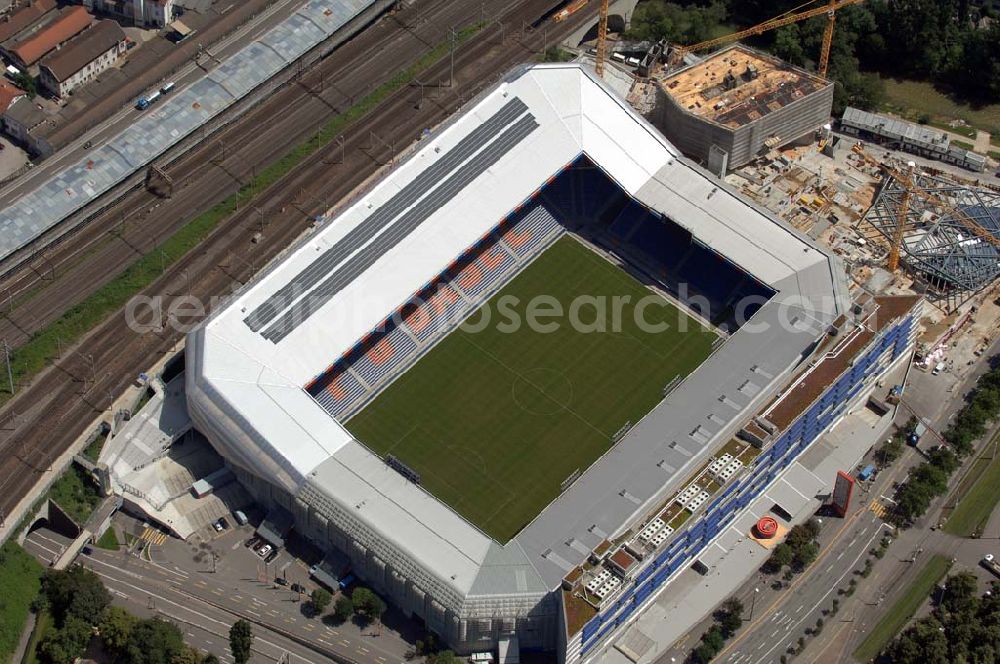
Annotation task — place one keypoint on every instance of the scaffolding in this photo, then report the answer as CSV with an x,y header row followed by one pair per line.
x,y
939,247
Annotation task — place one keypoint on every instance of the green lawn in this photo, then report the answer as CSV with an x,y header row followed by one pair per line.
x,y
976,502
899,614
109,540
76,493
912,98
20,580
42,625
495,420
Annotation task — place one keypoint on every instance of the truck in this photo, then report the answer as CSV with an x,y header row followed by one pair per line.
x,y
867,473
145,102
916,434
989,562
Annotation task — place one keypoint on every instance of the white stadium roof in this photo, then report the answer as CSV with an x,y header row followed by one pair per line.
x,y
249,363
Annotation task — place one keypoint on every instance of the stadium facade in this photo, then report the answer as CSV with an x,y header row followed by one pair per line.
x,y
548,151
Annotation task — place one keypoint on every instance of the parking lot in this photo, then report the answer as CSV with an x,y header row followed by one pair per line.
x,y
271,590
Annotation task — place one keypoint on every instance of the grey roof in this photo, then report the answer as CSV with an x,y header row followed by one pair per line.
x,y
932,139
167,123
506,570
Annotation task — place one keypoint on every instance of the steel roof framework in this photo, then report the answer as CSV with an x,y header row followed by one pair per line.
x,y
938,246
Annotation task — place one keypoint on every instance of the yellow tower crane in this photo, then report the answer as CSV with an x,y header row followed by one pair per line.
x,y
829,8
912,188
602,39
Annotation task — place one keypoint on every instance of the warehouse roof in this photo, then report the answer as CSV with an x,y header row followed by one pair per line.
x,y
23,18
71,22
84,49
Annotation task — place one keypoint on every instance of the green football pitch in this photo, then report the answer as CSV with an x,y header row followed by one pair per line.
x,y
495,419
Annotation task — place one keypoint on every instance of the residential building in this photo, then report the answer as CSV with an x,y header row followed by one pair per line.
x,y
24,121
142,13
83,58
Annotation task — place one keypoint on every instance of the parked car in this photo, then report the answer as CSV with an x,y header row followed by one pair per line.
x,y
281,581
298,588
271,556
264,550
252,542
217,526
223,524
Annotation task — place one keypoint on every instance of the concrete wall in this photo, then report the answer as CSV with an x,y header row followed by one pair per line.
x,y
695,136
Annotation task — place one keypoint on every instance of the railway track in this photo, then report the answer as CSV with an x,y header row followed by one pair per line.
x,y
41,291
43,420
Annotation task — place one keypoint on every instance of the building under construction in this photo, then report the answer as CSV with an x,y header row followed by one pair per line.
x,y
946,234
738,103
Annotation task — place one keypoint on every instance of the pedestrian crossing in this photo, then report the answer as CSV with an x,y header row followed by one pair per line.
x,y
879,508
153,536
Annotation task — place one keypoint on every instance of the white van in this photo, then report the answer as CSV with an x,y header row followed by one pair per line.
x,y
938,368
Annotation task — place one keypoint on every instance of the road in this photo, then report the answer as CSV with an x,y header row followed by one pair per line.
x,y
146,590
780,616
45,417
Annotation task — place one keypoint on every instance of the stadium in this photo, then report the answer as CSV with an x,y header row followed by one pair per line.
x,y
534,371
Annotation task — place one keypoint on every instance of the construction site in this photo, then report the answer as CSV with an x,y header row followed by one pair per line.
x,y
765,126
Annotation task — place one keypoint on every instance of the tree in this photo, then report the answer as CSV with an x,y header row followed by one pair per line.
x,y
343,608
730,616
806,554
781,556
65,644
442,657
27,83
76,591
959,594
241,641
320,599
154,641
210,659
115,628
368,604
188,655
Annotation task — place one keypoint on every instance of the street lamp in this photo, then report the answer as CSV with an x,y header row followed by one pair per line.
x,y
753,602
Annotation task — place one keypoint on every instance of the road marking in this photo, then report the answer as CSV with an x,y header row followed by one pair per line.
x,y
361,649
200,584
831,589
828,567
253,613
238,598
851,543
840,555
204,617
310,627
217,592
235,546
345,642
798,610
775,633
